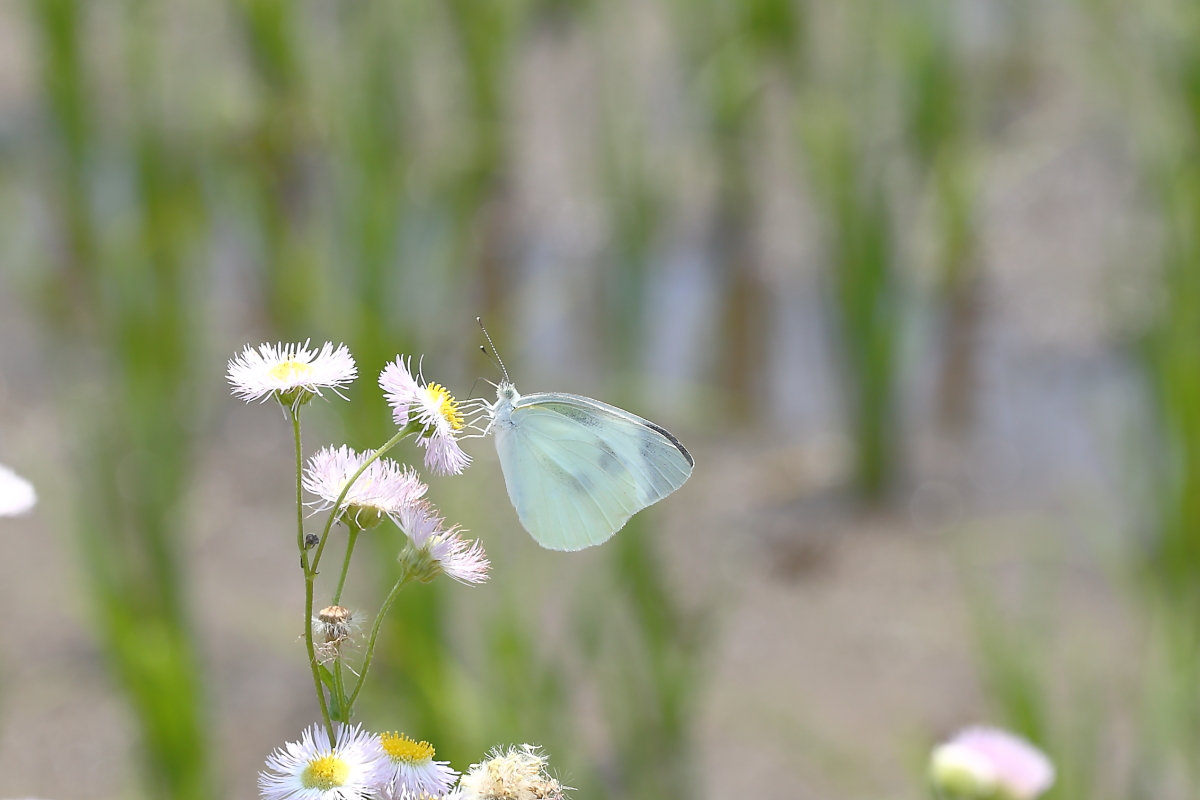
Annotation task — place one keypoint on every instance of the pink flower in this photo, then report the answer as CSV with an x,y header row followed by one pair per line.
x,y
435,550
982,762
382,490
431,406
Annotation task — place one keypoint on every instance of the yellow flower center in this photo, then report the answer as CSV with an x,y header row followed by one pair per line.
x,y
446,405
401,748
291,371
325,773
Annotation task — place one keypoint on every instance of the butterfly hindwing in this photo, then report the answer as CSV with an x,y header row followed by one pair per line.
x,y
577,469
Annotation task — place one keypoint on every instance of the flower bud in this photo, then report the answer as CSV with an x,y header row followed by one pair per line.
x,y
419,563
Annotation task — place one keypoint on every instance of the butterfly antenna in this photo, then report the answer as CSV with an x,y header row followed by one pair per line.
x,y
495,353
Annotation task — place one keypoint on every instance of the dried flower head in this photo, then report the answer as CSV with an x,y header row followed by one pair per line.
x,y
17,495
434,408
334,624
433,550
414,773
291,373
990,763
353,768
515,773
334,628
384,489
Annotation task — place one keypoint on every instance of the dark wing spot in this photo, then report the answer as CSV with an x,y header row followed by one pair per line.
x,y
608,460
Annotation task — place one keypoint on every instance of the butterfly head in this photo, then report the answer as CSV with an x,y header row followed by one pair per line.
x,y
507,393
501,410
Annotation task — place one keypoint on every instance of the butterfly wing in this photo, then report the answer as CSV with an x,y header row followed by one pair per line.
x,y
577,469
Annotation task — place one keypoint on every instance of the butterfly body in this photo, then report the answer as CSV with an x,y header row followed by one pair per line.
x,y
577,469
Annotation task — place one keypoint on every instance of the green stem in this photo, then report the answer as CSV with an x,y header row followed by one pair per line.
x,y
341,690
407,430
354,531
309,575
391,598
339,680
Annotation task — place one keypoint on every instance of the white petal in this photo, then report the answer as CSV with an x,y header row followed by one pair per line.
x,y
16,494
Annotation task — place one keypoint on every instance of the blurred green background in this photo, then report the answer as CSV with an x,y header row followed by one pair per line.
x,y
917,281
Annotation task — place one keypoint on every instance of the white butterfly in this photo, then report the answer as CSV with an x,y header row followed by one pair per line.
x,y
577,469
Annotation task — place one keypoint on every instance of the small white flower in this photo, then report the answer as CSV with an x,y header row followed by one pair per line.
x,y
17,495
354,768
518,773
990,763
291,373
434,550
434,408
384,488
414,773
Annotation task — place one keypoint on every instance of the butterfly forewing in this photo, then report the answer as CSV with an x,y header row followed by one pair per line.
x,y
577,469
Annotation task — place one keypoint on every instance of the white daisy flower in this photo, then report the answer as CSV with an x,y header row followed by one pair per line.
x,y
517,773
434,550
434,408
354,768
384,488
291,373
17,495
414,773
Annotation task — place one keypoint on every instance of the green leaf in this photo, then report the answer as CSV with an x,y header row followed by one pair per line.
x,y
327,678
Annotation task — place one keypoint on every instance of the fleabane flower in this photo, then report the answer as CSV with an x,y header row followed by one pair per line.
x,y
414,774
432,407
990,763
434,550
17,495
353,768
291,373
515,773
384,488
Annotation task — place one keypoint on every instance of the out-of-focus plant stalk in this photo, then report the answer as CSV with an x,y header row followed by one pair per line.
x,y
69,113
848,179
1171,352
487,36
960,286
635,208
128,326
273,152
645,652
940,130
1170,344
735,51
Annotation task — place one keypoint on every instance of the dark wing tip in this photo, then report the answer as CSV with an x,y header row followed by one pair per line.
x,y
671,438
